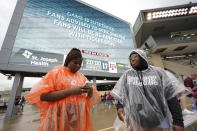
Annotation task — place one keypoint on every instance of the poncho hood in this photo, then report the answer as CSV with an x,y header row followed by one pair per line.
x,y
143,59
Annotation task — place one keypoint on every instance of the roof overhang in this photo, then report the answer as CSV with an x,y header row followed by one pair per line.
x,y
163,26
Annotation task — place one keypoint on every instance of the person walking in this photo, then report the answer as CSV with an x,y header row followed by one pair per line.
x,y
146,97
18,104
22,103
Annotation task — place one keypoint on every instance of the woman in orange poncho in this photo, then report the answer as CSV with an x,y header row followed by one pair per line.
x,y
62,98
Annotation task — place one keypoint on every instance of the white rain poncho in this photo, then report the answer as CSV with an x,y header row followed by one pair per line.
x,y
144,96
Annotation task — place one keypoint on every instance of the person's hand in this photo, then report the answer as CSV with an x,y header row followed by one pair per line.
x,y
121,114
89,87
79,90
177,128
90,91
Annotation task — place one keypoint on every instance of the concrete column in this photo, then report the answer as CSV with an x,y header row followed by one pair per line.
x,y
156,60
16,91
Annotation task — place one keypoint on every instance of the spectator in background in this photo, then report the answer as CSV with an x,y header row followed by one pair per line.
x,y
193,64
17,103
194,81
105,97
189,82
22,102
108,98
195,94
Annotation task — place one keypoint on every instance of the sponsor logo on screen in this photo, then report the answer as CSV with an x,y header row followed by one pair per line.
x,y
95,53
27,54
36,58
112,67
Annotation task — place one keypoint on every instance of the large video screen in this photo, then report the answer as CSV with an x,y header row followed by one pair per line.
x,y
50,28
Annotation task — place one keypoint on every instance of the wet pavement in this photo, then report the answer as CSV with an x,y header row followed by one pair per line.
x,y
102,115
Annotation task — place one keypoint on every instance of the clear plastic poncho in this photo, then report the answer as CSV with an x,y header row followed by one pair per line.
x,y
68,114
178,86
144,96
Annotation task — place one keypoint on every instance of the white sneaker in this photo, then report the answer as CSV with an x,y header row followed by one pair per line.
x,y
187,112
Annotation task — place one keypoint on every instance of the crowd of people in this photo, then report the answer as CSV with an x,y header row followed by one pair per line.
x,y
107,97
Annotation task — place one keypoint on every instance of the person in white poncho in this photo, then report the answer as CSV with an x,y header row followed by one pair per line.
x,y
146,97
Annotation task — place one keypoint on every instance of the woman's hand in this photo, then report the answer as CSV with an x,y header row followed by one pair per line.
x,y
121,114
177,128
78,90
61,94
89,88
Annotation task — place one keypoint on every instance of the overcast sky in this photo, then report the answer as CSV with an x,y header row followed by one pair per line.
x,y
127,10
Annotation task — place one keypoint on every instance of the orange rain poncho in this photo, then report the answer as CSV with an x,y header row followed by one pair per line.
x,y
69,114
